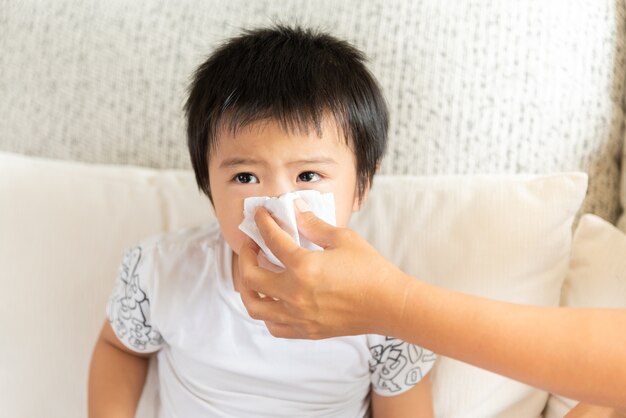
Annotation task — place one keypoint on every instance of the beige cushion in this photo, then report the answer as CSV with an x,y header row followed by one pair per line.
x,y
622,220
64,228
504,237
596,278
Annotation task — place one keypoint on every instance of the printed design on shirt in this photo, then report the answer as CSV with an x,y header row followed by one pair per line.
x,y
131,306
395,364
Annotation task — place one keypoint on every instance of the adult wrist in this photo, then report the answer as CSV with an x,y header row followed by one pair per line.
x,y
393,303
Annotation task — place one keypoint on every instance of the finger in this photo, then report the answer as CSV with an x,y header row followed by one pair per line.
x,y
277,240
248,257
262,308
314,229
249,270
256,279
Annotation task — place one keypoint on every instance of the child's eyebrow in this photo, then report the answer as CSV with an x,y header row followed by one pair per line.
x,y
315,160
233,162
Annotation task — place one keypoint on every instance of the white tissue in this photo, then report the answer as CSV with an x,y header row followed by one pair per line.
x,y
283,210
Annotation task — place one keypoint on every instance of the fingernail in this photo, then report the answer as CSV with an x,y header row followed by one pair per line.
x,y
302,205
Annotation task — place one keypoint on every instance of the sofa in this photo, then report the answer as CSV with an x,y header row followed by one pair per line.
x,y
506,149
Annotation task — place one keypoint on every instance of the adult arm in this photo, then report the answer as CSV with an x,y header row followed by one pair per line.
x,y
351,289
593,411
116,377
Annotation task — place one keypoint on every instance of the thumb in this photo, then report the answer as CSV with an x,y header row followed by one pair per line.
x,y
313,228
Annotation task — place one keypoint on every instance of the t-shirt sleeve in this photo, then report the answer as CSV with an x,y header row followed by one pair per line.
x,y
128,309
397,366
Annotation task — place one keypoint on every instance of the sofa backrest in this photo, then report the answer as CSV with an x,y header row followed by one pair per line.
x,y
478,87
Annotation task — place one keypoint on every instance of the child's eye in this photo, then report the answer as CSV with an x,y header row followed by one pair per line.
x,y
309,176
245,178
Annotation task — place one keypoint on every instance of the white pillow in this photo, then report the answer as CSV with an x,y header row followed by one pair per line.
x,y
64,227
505,237
596,278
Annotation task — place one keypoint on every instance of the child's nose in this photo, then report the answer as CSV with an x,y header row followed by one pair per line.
x,y
279,187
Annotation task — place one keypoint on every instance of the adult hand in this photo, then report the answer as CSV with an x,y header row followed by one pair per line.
x,y
350,289
343,290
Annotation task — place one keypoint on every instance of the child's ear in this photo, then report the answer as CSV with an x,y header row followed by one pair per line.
x,y
359,200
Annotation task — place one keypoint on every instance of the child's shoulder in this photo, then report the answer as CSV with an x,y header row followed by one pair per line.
x,y
203,237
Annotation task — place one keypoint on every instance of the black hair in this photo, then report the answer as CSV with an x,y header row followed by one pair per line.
x,y
295,76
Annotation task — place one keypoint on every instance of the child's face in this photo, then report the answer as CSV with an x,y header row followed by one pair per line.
x,y
264,160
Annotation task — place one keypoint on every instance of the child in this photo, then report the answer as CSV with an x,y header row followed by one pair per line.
x,y
271,111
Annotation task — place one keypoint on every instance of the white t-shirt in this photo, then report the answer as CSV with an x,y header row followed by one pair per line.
x,y
174,294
